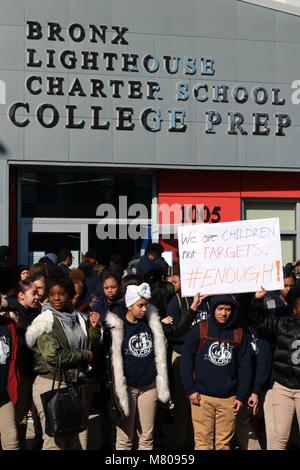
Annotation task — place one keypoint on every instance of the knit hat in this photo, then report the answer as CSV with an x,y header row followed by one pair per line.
x,y
135,293
53,257
222,299
21,268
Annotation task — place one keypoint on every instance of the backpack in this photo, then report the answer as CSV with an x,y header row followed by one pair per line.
x,y
203,330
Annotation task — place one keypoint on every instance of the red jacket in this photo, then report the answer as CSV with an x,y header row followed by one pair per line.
x,y
13,380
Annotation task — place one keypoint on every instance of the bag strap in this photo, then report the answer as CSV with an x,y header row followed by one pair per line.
x,y
183,309
203,335
68,379
57,370
62,374
187,306
237,335
203,330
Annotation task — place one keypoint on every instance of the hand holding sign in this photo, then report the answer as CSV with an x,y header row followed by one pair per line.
x,y
260,293
197,301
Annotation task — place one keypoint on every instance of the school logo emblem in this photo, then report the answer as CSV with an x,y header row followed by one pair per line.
x,y
4,349
140,345
220,354
253,344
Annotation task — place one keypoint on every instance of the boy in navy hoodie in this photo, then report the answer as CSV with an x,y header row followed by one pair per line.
x,y
216,372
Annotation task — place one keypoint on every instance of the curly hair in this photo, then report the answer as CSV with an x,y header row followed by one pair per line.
x,y
64,282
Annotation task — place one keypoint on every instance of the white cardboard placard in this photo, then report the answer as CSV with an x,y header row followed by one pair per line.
x,y
230,257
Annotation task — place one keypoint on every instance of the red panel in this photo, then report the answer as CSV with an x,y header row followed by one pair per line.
x,y
228,208
199,182
273,185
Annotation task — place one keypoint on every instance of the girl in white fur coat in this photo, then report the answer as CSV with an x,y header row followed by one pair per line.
x,y
139,367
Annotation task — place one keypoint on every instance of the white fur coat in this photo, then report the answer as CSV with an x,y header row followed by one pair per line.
x,y
116,325
43,323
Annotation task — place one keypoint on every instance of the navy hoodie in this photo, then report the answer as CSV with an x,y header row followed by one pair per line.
x,y
262,357
218,369
138,354
146,265
103,306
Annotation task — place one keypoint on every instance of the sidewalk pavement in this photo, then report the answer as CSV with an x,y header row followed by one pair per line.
x,y
95,434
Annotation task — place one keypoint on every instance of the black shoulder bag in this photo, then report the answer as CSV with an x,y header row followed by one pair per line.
x,y
63,408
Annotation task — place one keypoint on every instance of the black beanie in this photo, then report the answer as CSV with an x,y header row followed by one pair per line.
x,y
222,299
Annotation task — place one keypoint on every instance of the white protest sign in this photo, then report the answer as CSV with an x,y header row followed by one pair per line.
x,y
230,257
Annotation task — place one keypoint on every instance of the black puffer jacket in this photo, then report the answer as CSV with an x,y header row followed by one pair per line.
x,y
286,334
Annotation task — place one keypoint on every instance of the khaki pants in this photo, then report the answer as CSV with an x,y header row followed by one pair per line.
x,y
214,423
8,428
285,402
72,441
142,408
269,418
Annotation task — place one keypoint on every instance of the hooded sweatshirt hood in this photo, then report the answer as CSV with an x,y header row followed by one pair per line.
x,y
69,314
226,299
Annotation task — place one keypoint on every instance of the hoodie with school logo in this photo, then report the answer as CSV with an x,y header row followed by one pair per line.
x,y
217,366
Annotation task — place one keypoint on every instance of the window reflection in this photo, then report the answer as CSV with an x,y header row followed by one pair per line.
x,y
75,194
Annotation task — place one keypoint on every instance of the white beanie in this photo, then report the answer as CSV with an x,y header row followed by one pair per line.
x,y
135,293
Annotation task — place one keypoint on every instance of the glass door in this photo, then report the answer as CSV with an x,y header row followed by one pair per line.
x,y
38,237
